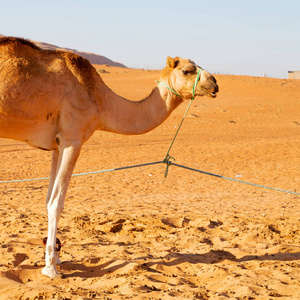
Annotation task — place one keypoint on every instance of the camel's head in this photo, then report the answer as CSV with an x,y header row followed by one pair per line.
x,y
181,74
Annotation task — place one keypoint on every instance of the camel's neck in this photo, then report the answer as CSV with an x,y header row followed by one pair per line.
x,y
122,116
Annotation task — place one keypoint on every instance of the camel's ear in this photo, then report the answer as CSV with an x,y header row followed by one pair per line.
x,y
170,62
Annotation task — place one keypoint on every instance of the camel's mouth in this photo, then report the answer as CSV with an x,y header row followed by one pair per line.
x,y
213,94
210,94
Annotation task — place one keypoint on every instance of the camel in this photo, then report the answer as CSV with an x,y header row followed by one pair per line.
x,y
55,100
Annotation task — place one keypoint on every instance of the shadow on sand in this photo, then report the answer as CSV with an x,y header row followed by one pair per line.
x,y
73,269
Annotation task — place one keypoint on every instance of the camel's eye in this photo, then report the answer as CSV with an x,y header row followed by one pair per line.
x,y
185,72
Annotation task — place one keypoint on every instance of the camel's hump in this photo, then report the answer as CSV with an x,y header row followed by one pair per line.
x,y
4,41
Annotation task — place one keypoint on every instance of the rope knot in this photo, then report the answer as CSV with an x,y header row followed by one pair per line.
x,y
168,162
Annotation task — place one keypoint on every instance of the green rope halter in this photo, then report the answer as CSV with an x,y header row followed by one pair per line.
x,y
163,84
194,86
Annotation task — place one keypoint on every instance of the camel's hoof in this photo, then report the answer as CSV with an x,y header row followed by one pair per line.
x,y
51,272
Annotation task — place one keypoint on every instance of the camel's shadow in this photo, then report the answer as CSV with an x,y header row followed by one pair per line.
x,y
77,269
114,266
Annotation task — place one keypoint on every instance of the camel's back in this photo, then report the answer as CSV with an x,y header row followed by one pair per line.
x,y
23,51
11,46
36,83
28,71
24,78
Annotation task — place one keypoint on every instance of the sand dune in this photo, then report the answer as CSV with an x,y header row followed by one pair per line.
x,y
135,235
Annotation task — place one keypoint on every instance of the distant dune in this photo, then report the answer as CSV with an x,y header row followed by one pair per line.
x,y
92,57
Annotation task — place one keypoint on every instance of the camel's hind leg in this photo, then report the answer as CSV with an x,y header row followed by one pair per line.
x,y
67,157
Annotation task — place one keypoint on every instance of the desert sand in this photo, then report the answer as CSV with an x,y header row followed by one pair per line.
x,y
133,234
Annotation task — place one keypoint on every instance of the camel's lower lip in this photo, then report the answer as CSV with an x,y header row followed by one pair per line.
x,y
213,95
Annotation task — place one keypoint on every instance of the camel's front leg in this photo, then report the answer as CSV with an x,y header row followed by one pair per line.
x,y
55,154
54,163
67,158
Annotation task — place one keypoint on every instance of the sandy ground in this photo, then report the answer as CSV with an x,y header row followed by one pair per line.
x,y
133,234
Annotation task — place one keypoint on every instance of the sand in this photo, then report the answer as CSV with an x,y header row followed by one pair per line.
x,y
133,234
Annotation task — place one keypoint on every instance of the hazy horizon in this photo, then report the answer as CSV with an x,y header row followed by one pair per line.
x,y
256,38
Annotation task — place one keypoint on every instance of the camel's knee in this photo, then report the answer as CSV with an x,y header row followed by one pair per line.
x,y
54,210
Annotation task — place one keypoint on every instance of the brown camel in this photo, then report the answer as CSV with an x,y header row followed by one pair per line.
x,y
55,100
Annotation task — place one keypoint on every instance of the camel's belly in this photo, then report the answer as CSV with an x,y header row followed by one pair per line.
x,y
35,133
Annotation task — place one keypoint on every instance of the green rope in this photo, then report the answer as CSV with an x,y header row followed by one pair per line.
x,y
85,173
168,157
196,82
169,163
120,168
235,180
161,83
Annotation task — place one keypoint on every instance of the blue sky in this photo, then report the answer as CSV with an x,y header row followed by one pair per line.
x,y
254,37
